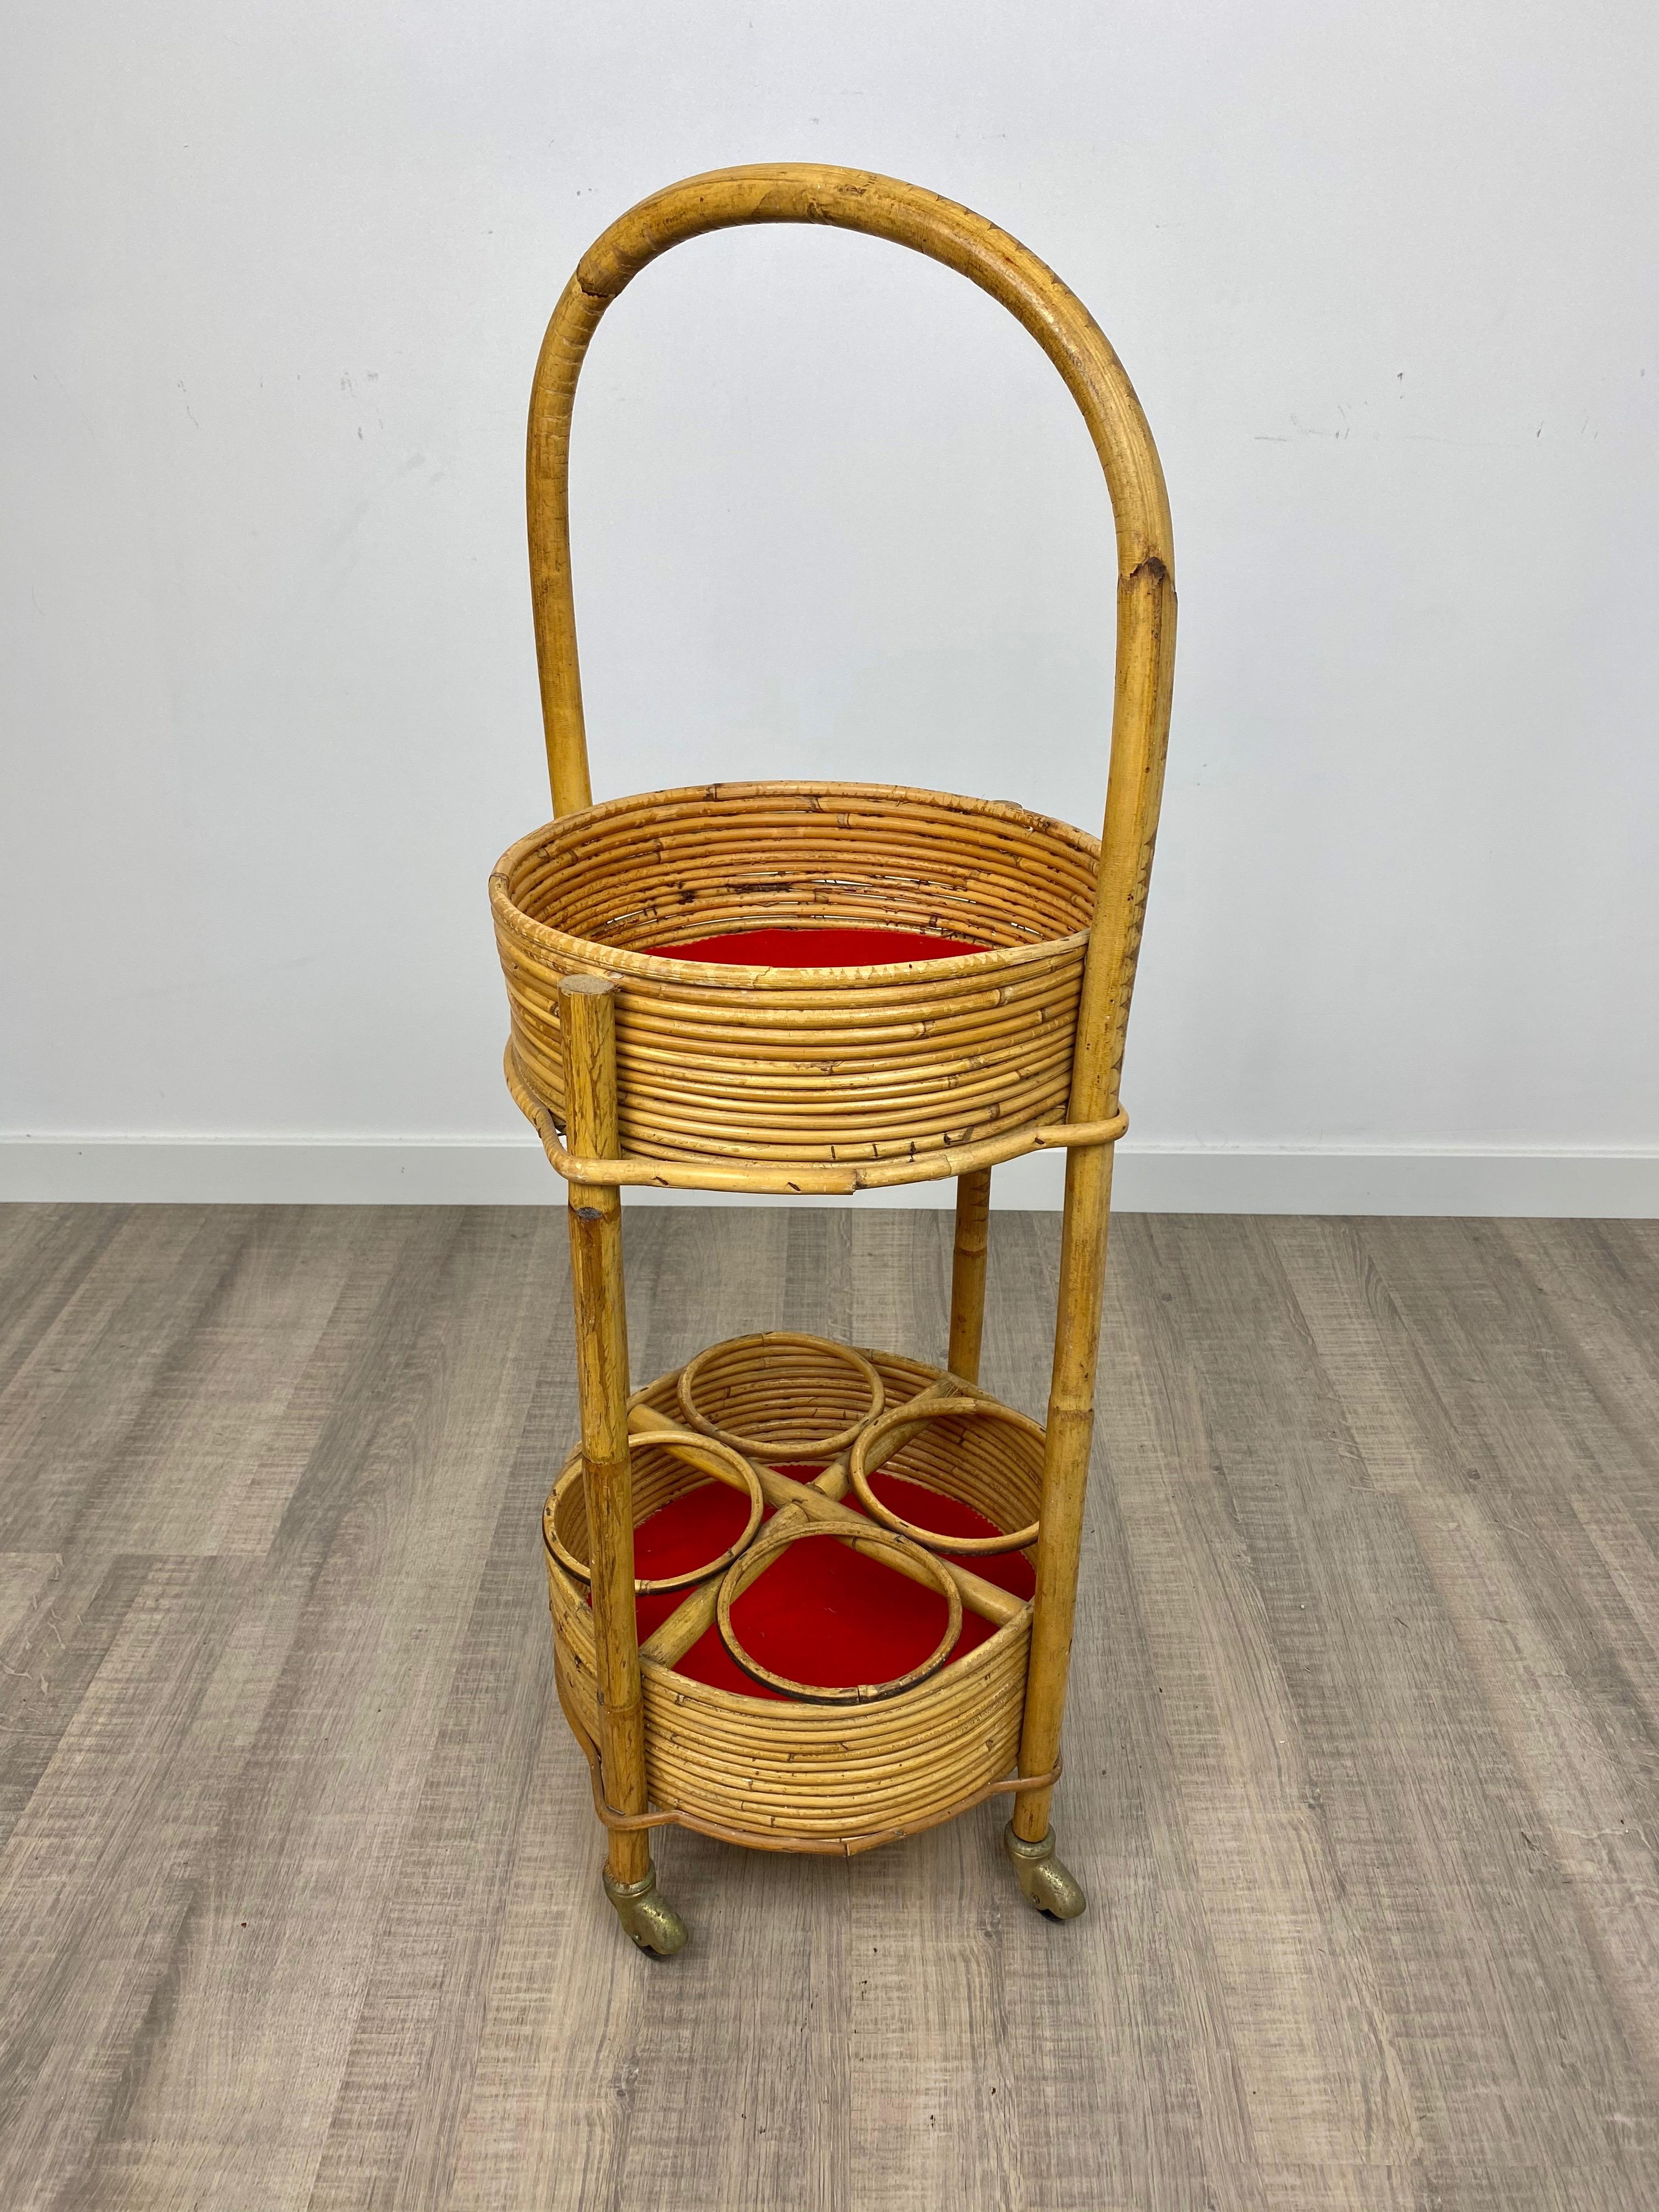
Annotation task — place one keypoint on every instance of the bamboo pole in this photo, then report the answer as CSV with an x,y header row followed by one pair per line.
x,y
587,1019
968,1272
1070,1431
1140,722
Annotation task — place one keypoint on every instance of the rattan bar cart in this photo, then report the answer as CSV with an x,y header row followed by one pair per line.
x,y
647,1050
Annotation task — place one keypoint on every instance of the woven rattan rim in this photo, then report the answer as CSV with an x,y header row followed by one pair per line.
x,y
931,1539
768,1450
760,1556
715,975
744,1478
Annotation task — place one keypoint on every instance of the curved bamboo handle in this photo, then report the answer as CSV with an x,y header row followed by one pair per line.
x,y
853,200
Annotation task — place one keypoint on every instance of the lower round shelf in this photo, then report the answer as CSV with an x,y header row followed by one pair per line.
x,y
785,1774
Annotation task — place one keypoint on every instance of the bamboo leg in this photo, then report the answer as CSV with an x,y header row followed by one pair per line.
x,y
968,1272
1065,1480
588,1021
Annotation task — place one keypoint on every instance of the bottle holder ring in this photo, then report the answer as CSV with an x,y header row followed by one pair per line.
x,y
762,1555
933,1539
739,1476
790,1375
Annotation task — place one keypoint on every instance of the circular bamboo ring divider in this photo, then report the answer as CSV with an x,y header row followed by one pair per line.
x,y
660,1475
883,1062
760,1556
783,1372
956,1409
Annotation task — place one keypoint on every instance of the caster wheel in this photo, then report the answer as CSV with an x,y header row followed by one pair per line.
x,y
648,1919
1045,1882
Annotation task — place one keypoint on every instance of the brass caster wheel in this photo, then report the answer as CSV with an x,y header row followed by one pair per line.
x,y
1046,1881
648,1919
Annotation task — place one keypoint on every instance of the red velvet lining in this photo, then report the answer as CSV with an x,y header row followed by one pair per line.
x,y
817,948
822,1612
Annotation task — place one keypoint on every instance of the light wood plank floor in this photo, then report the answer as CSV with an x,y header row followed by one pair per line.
x,y
299,1899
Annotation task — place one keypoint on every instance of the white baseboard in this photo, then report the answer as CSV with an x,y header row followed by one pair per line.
x,y
1166,1178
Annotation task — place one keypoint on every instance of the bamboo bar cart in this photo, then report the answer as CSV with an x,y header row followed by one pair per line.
x,y
643,1063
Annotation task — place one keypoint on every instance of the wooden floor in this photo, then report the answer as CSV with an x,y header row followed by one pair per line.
x,y
299,1882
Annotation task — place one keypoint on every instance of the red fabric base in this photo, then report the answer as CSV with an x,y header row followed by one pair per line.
x,y
821,1614
817,948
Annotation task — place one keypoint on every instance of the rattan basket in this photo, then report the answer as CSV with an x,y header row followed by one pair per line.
x,y
813,1063
818,1777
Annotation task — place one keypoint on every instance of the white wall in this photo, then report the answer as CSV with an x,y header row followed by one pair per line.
x,y
1384,279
